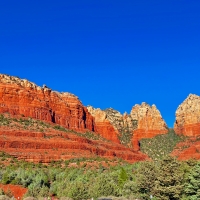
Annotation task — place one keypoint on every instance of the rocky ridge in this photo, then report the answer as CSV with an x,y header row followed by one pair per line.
x,y
144,121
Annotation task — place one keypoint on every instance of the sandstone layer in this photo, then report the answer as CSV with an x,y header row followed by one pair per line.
x,y
56,145
19,96
188,116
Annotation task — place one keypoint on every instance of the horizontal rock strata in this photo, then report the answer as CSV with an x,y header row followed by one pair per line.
x,y
56,145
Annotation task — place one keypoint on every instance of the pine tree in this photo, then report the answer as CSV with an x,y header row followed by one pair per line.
x,y
168,185
192,186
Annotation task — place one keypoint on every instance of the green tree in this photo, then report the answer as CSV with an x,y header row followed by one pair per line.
x,y
122,177
146,177
192,186
168,184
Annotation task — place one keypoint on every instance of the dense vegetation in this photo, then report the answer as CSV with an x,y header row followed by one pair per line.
x,y
78,179
161,145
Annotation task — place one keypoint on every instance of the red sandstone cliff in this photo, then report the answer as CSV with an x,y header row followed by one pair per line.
x,y
188,117
22,97
103,125
150,123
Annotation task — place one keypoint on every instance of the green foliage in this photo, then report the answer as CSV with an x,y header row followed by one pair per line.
x,y
126,134
4,121
122,177
60,128
146,178
163,180
161,145
168,184
192,186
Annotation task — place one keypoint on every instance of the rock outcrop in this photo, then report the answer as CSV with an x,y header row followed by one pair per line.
x,y
149,123
188,116
144,121
22,97
103,125
188,149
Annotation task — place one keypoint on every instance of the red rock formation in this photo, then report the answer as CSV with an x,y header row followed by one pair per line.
x,y
25,98
103,126
143,122
188,117
150,123
56,145
189,149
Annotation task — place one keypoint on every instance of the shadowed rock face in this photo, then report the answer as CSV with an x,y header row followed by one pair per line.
x,y
188,116
144,121
21,97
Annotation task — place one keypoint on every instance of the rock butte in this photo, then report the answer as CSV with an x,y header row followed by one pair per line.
x,y
188,117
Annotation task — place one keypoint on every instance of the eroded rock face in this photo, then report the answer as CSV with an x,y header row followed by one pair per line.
x,y
103,125
22,97
150,123
144,121
188,116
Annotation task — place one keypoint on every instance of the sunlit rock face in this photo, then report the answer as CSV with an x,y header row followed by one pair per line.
x,y
144,121
22,97
150,123
188,116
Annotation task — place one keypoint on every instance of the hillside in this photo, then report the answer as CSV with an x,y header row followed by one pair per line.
x,y
37,141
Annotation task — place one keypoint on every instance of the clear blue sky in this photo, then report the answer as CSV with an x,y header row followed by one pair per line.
x,y
110,53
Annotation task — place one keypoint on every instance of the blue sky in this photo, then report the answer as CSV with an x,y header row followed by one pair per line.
x,y
109,53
